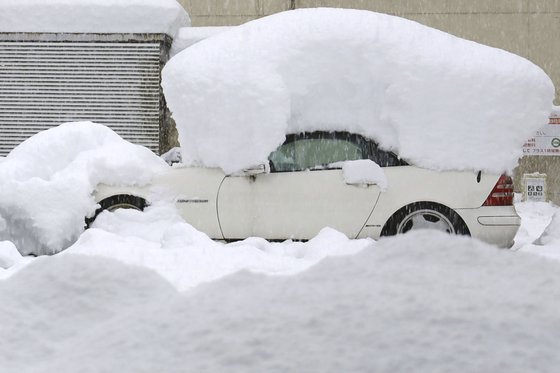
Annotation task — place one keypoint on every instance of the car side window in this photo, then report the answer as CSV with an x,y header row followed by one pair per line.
x,y
384,158
316,152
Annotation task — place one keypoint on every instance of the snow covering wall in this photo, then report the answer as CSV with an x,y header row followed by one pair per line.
x,y
47,182
93,16
439,101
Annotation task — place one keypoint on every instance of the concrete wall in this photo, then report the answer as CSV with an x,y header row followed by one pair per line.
x,y
530,28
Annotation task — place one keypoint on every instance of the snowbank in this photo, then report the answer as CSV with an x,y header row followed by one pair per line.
x,y
93,16
159,239
9,255
439,101
552,232
47,182
535,217
187,36
538,233
447,304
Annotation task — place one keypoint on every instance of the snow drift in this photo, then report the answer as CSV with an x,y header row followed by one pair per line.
x,y
448,304
47,182
187,36
93,16
439,101
159,239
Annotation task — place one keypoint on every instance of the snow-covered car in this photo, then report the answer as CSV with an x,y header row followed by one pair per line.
x,y
304,188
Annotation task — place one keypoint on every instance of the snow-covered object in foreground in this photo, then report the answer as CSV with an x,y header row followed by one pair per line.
x,y
439,101
364,171
47,182
552,232
161,240
422,302
93,16
9,255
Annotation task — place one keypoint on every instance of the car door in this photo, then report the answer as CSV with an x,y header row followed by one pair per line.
x,y
304,192
194,191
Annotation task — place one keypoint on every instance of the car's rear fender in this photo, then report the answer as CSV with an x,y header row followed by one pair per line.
x,y
409,184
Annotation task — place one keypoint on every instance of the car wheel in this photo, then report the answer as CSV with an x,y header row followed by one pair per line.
x,y
425,215
123,201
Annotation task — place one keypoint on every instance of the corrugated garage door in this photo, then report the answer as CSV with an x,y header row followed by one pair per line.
x,y
43,84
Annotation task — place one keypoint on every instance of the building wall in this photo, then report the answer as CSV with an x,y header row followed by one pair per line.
x,y
529,28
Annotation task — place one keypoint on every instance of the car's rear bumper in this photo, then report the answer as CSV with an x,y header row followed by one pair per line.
x,y
496,225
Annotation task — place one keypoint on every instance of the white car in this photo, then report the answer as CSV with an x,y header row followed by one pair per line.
x,y
302,190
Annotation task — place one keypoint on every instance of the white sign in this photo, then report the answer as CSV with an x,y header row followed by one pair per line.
x,y
534,187
546,141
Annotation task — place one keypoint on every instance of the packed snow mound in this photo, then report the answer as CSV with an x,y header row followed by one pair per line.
x,y
159,239
47,182
364,171
437,100
449,302
93,16
9,255
552,232
187,36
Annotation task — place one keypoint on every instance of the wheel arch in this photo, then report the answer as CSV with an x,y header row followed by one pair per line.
x,y
124,199
388,225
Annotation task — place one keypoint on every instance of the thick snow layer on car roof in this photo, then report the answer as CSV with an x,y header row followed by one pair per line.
x,y
47,182
93,16
187,36
439,101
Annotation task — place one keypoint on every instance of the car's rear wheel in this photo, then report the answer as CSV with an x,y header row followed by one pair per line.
x,y
425,215
122,201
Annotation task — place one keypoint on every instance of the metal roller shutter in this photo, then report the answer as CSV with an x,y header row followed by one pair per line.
x,y
45,83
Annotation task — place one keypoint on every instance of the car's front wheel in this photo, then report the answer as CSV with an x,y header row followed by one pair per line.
x,y
425,215
122,201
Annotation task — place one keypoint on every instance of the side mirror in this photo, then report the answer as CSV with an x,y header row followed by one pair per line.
x,y
263,168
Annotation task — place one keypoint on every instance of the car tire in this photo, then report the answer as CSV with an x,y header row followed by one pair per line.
x,y
122,201
425,215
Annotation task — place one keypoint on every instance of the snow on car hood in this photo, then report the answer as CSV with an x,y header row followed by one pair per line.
x,y
94,16
48,179
439,101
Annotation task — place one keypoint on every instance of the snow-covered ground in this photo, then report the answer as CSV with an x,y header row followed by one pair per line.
x,y
145,292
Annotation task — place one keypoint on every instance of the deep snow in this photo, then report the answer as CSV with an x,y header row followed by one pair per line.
x,y
161,240
47,182
439,101
447,304
145,292
93,16
187,36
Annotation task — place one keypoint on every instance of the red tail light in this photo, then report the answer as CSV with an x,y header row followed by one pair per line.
x,y
502,194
